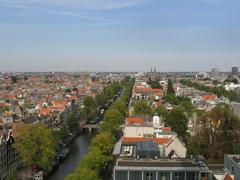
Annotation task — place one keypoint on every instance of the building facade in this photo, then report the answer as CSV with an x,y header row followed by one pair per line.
x,y
9,158
149,169
234,70
232,164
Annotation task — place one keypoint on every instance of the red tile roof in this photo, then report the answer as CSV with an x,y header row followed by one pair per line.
x,y
209,97
45,111
136,139
59,103
228,177
166,129
135,120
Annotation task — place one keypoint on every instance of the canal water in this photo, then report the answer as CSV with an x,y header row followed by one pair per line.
x,y
78,148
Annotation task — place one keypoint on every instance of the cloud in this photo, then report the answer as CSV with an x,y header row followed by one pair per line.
x,y
77,4
71,8
63,13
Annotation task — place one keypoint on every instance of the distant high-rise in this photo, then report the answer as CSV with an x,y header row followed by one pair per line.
x,y
215,73
234,70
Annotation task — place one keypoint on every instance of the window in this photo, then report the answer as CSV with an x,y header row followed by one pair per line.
x,y
149,175
192,176
179,175
121,175
135,175
163,176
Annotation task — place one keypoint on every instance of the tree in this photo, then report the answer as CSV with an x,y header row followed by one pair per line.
x,y
62,133
104,142
72,121
36,145
14,79
142,108
90,108
120,106
218,133
83,174
231,80
219,90
25,78
193,147
101,99
68,90
172,99
154,84
112,120
108,92
170,90
162,111
177,120
12,176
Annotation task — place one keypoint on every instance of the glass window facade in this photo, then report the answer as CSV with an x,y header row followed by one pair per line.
x,y
178,175
149,175
163,175
192,176
135,175
121,175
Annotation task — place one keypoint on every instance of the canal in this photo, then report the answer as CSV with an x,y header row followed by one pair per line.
x,y
78,148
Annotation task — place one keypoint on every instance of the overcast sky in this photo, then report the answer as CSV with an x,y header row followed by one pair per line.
x,y
119,35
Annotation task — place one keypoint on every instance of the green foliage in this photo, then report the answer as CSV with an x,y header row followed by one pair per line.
x,y
154,84
72,121
172,99
101,99
104,142
14,79
112,119
161,111
142,108
12,175
170,90
218,134
193,147
68,90
177,120
231,80
120,105
89,102
36,145
25,78
6,108
83,174
15,116
62,133
219,91
100,155
236,148
180,100
90,108
75,89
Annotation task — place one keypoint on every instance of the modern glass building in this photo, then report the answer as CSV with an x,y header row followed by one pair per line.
x,y
147,169
144,162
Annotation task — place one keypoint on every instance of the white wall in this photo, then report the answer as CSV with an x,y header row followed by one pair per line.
x,y
136,131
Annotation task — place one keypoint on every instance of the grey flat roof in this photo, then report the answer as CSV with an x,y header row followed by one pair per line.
x,y
161,165
117,148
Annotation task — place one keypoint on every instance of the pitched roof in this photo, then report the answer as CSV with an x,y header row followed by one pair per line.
x,y
166,129
209,97
139,139
228,177
45,111
135,120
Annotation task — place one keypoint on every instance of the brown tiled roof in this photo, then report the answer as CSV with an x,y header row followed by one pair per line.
x,y
136,139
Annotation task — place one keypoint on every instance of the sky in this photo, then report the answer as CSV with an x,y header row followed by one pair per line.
x,y
119,35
